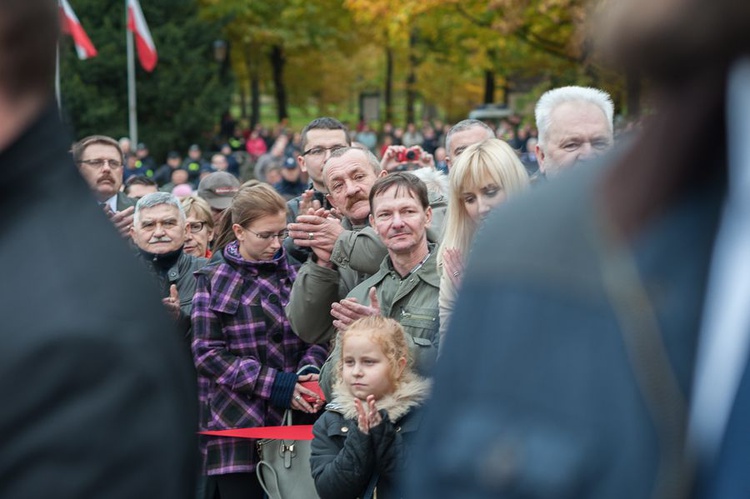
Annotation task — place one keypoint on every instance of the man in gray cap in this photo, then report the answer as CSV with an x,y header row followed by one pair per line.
x,y
218,189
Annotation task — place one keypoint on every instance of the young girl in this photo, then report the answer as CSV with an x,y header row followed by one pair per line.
x,y
359,441
483,177
244,349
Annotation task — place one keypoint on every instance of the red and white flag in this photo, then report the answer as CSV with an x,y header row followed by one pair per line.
x,y
143,41
72,26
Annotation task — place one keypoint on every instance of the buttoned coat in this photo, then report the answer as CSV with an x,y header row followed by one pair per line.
x,y
242,339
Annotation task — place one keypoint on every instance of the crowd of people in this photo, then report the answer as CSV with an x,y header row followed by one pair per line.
x,y
475,330
270,292
272,155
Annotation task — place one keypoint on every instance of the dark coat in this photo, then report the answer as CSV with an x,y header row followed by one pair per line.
x,y
536,394
181,275
344,460
99,398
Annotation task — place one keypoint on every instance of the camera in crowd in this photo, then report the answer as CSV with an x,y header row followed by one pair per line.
x,y
410,155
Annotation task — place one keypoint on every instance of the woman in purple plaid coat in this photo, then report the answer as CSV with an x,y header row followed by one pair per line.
x,y
245,352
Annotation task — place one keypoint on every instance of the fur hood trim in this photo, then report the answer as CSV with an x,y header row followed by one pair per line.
x,y
411,392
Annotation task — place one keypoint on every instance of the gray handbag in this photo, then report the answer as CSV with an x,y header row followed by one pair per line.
x,y
284,467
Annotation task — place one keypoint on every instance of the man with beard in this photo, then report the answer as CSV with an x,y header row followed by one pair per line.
x,y
574,124
98,398
101,162
159,230
602,349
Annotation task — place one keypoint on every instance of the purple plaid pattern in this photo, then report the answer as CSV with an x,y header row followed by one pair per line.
x,y
241,340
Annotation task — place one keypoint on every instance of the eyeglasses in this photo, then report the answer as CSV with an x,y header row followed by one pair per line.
x,y
270,235
99,162
320,151
196,227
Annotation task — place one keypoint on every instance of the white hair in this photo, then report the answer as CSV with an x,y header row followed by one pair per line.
x,y
155,199
435,180
549,101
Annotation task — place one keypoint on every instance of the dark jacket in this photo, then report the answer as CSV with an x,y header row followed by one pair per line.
x,y
345,461
99,398
536,389
123,201
177,269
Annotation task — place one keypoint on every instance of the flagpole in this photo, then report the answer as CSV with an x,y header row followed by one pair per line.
x,y
132,113
57,78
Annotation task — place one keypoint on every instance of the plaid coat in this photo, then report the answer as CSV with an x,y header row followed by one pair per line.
x,y
242,339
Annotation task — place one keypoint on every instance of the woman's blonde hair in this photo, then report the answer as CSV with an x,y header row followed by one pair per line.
x,y
253,200
387,334
489,161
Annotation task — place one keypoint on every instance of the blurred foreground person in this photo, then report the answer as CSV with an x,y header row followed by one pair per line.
x,y
98,395
602,330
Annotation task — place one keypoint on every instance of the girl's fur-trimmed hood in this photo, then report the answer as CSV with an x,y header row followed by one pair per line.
x,y
412,391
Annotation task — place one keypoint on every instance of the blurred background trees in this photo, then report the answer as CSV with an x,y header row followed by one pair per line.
x,y
291,60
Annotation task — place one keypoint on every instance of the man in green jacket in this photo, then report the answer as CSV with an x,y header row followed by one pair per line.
x,y
407,285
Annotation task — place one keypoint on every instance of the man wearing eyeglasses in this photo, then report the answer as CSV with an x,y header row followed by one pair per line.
x,y
100,161
318,139
159,230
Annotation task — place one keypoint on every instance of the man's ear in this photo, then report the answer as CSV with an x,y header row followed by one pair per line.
x,y
539,157
301,163
330,200
428,217
383,173
372,220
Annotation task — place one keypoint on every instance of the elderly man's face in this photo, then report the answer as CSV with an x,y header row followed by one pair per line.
x,y
578,131
349,179
101,167
159,229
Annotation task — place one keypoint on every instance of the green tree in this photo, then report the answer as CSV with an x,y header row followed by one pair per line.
x,y
179,103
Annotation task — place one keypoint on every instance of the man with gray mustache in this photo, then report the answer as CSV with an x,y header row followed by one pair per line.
x,y
159,231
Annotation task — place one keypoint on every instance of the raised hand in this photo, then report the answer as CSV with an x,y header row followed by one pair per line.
x,y
172,302
349,310
453,266
123,220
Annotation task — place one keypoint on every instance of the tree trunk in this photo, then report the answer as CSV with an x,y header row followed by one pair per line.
x,y
489,87
411,79
278,60
252,71
243,101
254,99
389,85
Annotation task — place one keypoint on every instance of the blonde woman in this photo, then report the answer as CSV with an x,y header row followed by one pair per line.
x,y
482,177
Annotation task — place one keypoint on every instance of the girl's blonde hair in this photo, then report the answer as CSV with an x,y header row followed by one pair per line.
x,y
253,200
489,161
387,334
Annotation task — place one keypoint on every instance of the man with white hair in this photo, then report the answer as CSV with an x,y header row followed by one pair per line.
x,y
574,124
159,230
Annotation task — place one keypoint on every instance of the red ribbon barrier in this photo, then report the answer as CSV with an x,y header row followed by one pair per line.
x,y
294,432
